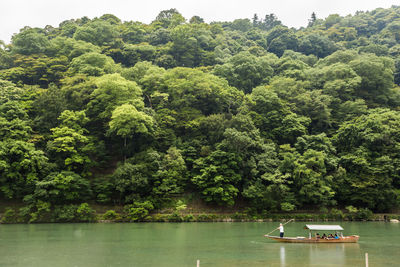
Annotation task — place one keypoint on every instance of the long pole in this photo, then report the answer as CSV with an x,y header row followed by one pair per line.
x,y
282,225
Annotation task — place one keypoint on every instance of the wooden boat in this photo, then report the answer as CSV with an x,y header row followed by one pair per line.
x,y
313,227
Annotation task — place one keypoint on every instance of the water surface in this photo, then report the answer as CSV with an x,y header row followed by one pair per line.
x,y
181,244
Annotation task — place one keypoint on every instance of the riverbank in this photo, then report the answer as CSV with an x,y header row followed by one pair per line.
x,y
143,212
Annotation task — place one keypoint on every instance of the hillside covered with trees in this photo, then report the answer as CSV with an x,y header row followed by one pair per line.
x,y
249,112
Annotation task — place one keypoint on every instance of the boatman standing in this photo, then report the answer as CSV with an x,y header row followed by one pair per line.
x,y
281,230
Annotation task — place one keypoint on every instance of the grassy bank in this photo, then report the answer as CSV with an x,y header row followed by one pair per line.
x,y
144,212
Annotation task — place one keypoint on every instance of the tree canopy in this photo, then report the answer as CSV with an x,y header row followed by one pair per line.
x,y
243,112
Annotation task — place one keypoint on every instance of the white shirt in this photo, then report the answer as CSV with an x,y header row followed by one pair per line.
x,y
281,228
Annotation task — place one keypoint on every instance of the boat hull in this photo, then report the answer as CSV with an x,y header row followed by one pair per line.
x,y
345,239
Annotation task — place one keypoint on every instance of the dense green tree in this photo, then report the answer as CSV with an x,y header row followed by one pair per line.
x,y
93,64
246,71
376,77
338,80
312,20
47,107
29,41
71,48
218,177
270,21
379,50
133,54
70,143
316,106
318,45
242,25
10,92
134,178
62,187
36,70
169,18
5,57
281,38
21,165
111,91
134,32
192,45
273,118
97,32
171,178
14,122
196,20
191,88
126,121
367,148
307,175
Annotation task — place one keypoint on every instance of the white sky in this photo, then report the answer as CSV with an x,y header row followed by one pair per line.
x,y
15,14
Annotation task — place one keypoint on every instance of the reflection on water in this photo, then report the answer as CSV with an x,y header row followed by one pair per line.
x,y
308,254
283,255
332,253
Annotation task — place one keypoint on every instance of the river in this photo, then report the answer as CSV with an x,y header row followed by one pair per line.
x,y
181,244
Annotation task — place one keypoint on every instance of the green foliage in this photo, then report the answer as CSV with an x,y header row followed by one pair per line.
x,y
133,178
112,91
126,120
193,91
9,216
171,178
21,166
376,77
246,71
29,41
218,176
41,212
72,48
84,213
189,218
242,112
93,64
362,214
169,18
103,189
73,213
351,209
36,70
318,45
48,106
336,214
65,213
70,143
368,151
62,187
97,32
133,54
281,38
285,206
175,217
111,215
138,211
180,205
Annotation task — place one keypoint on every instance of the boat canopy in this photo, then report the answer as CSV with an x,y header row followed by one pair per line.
x,y
316,227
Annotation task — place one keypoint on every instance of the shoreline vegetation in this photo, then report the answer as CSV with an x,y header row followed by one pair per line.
x,y
129,213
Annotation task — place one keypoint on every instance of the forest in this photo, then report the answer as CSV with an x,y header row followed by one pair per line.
x,y
247,113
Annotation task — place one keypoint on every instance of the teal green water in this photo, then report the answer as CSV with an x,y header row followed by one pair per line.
x,y
181,244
